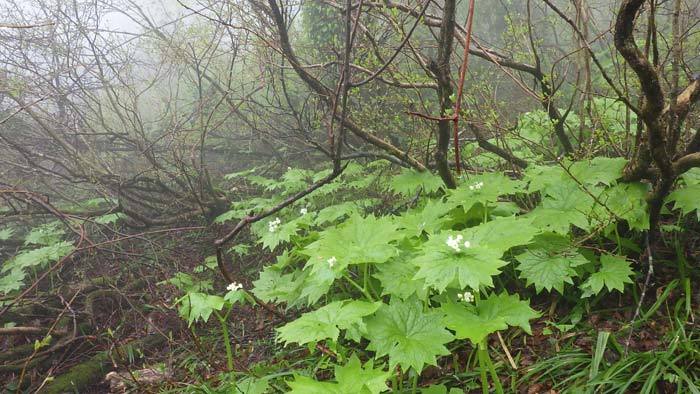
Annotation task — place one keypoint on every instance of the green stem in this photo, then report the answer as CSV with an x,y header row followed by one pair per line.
x,y
492,369
619,241
482,371
227,342
358,287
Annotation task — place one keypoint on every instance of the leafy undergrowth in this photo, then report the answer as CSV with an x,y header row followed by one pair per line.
x,y
521,282
383,282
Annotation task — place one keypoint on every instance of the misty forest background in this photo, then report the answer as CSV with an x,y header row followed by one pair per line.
x,y
350,196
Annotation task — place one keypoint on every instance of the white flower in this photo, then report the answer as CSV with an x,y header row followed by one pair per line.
x,y
467,296
303,211
476,186
235,286
454,242
331,262
274,225
467,244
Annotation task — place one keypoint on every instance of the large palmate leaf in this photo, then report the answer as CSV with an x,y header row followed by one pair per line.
x,y
474,266
358,240
541,177
565,205
440,266
549,262
626,201
275,286
352,378
409,181
605,170
327,321
6,233
492,314
295,288
38,257
334,212
502,233
45,234
411,336
687,199
276,235
429,218
13,280
398,279
484,188
199,306
614,272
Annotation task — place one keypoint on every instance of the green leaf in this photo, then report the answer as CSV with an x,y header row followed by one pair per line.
x,y
516,312
614,272
603,170
492,314
429,218
186,283
398,279
39,257
12,281
358,240
441,389
110,218
473,266
440,266
542,177
687,199
352,378
483,188
275,286
465,321
627,201
410,336
409,181
46,341
692,176
550,262
276,235
354,375
502,234
46,234
565,204
334,212
6,233
195,306
327,321
252,385
306,385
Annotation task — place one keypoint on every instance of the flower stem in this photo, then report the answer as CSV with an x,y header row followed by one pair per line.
x,y
358,287
482,353
484,363
227,342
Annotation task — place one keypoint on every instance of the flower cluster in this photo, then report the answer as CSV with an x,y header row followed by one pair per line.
x,y
274,225
303,211
331,262
467,296
476,186
235,286
456,242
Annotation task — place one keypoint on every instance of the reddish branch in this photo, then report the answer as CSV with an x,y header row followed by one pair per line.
x,y
462,73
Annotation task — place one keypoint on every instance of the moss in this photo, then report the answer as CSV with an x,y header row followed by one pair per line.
x,y
80,376
93,371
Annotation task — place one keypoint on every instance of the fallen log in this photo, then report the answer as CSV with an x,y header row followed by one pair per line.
x,y
92,371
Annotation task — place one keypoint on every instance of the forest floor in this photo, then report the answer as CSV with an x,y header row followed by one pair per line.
x,y
190,358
